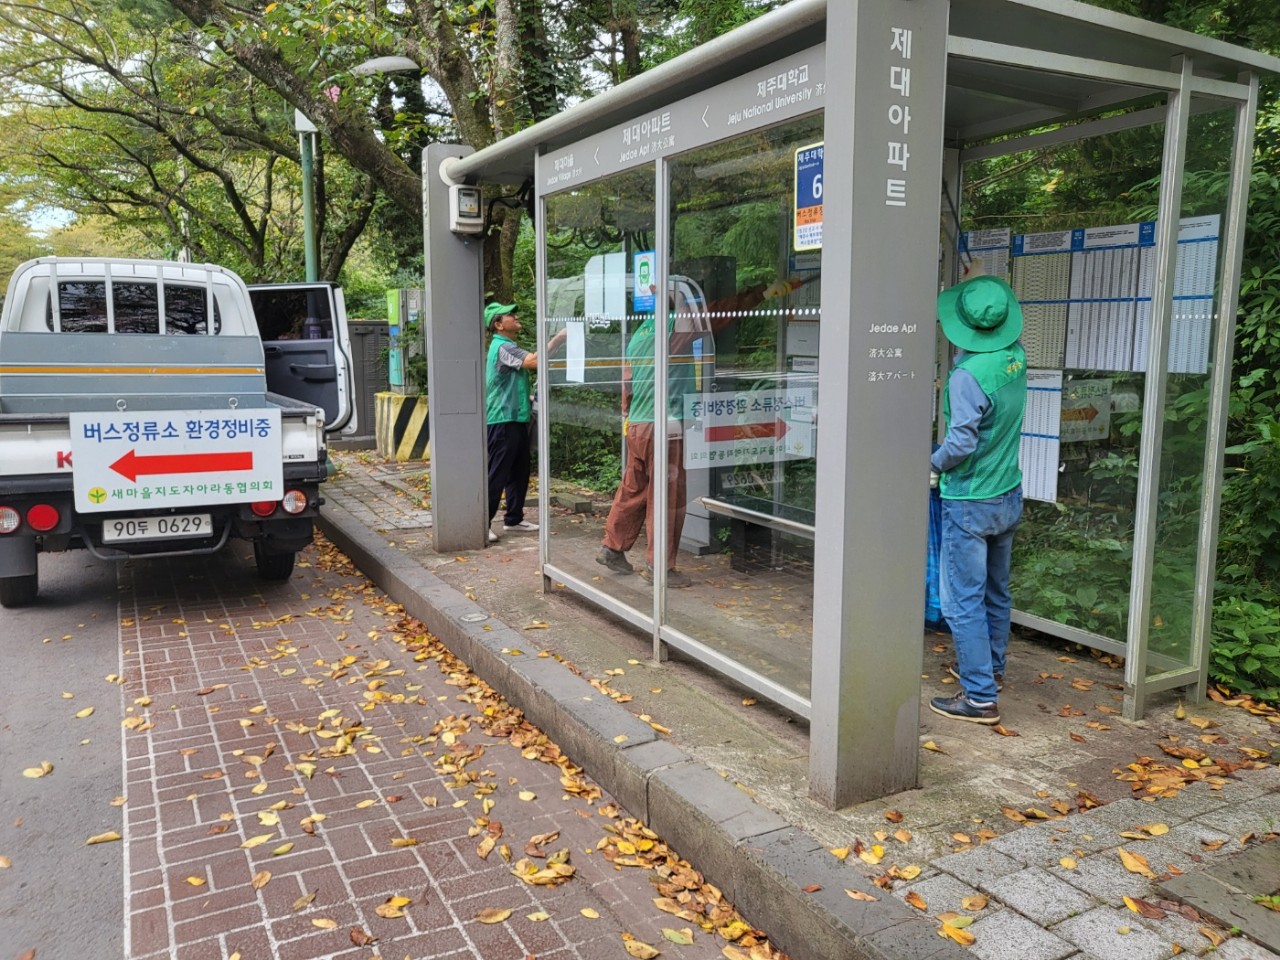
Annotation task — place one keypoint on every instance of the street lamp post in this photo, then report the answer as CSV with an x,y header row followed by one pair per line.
x,y
306,148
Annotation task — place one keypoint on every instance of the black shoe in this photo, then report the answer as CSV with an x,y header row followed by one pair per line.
x,y
951,669
615,560
960,707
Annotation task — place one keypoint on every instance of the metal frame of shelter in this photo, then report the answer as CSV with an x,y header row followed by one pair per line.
x,y
989,77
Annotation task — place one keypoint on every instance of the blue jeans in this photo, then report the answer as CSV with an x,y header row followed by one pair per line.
x,y
977,544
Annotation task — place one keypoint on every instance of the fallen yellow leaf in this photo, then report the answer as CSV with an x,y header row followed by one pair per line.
x,y
1068,863
36,773
492,915
257,841
86,712
404,842
282,849
107,837
914,899
841,853
958,934
324,923
589,913
1135,863
196,881
640,950
859,895
260,879
538,917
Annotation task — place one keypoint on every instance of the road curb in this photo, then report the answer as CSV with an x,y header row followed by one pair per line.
x,y
764,865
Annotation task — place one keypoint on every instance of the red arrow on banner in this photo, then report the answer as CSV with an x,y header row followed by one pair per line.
x,y
746,431
132,466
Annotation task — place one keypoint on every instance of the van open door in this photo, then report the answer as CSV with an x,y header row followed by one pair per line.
x,y
307,347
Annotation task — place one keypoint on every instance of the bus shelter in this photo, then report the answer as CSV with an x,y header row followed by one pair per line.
x,y
753,320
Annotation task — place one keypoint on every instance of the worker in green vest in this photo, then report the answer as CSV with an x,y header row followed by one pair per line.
x,y
509,409
977,472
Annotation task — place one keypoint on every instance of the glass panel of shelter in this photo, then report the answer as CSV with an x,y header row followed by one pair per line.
x,y
1086,289
743,307
593,235
1196,318
744,363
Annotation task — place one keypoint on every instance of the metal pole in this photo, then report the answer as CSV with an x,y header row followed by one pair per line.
x,y
306,144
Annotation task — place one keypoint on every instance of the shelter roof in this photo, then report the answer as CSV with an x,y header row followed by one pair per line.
x,y
985,98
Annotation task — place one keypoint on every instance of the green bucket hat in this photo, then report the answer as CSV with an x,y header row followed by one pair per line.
x,y
495,310
980,315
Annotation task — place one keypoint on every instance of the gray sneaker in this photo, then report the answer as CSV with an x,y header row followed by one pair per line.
x,y
615,560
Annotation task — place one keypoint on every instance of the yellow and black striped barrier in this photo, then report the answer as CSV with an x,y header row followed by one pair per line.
x,y
403,430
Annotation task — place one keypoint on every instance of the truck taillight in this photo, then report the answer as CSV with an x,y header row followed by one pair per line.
x,y
43,517
295,501
10,520
263,508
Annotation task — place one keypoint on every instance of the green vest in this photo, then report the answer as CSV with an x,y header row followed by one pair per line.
x,y
680,376
992,469
506,390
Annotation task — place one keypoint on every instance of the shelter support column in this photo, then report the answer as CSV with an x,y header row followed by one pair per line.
x,y
452,307
1177,116
886,65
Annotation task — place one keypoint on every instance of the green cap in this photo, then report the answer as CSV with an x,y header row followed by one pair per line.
x,y
495,310
980,315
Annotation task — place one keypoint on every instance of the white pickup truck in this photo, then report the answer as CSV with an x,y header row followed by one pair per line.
x,y
142,413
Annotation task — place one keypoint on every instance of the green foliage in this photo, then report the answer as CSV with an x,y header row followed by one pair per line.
x,y
1246,646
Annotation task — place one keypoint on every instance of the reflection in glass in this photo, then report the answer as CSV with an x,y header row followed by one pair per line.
x,y
744,339
599,268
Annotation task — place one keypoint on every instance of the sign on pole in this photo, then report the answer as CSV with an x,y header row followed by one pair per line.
x,y
127,461
808,197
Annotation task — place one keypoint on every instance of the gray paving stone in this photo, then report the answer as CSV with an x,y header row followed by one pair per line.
x,y
1180,930
975,867
1260,815
1127,814
1045,844
1268,778
1190,802
1009,936
1181,847
1103,876
1098,932
945,893
1040,896
1238,948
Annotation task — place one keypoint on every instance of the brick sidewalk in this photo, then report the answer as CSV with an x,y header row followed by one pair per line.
x,y
301,730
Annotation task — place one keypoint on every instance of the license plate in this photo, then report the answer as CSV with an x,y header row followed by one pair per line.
x,y
157,528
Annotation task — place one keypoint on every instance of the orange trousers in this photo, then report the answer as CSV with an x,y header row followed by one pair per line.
x,y
633,502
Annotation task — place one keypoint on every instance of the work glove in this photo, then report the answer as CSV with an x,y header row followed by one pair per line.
x,y
934,477
780,288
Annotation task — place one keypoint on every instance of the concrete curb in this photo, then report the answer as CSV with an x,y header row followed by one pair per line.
x,y
761,863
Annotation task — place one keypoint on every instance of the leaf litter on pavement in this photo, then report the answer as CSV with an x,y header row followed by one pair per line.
x,y
449,745
371,688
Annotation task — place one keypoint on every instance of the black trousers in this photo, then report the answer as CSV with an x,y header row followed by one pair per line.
x,y
509,461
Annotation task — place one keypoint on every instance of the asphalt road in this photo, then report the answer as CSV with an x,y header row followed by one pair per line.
x,y
57,895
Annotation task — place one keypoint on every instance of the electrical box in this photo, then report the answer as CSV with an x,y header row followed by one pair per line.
x,y
466,210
